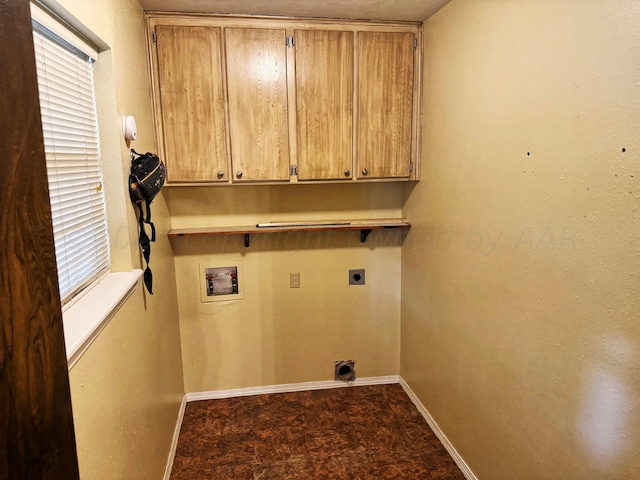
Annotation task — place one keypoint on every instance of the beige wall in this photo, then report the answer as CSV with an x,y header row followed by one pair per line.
x,y
127,388
277,334
520,329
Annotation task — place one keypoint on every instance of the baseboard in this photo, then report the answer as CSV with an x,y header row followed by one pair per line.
x,y
288,387
174,442
466,471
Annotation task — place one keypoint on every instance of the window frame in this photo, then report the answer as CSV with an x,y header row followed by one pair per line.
x,y
72,148
88,313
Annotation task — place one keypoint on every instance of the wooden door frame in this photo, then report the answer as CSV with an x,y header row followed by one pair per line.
x,y
37,437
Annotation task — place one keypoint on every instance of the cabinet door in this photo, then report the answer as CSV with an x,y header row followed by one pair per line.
x,y
257,93
324,104
192,103
385,104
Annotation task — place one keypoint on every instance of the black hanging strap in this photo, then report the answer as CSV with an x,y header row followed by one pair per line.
x,y
148,221
145,245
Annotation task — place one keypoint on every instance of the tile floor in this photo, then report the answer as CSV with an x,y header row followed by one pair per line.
x,y
359,432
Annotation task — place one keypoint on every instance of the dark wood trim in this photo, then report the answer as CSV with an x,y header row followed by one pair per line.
x,y
37,439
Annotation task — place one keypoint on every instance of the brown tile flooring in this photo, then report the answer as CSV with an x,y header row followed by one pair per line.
x,y
359,432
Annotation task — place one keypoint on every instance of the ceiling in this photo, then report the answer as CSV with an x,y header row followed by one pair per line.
x,y
413,10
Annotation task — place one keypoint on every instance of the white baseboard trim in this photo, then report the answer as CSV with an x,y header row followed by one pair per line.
x,y
174,442
288,387
466,471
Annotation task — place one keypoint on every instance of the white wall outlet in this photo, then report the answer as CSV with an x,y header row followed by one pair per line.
x,y
294,280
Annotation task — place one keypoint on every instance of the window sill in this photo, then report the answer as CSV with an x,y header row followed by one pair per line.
x,y
84,320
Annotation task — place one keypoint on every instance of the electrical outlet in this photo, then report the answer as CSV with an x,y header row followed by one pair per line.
x,y
294,280
356,277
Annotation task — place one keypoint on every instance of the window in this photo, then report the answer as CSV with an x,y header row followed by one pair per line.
x,y
72,150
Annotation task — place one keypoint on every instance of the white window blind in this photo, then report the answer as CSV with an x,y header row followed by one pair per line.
x,y
71,139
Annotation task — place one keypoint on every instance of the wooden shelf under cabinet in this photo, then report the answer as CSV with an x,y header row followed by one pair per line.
x,y
365,227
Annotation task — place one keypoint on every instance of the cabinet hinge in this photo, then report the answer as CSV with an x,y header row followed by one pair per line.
x,y
415,43
410,166
154,37
290,42
293,170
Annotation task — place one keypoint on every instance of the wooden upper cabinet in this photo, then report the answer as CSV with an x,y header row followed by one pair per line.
x,y
385,104
257,96
324,104
192,104
279,100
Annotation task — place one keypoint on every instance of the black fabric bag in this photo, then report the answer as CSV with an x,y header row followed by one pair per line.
x,y
145,181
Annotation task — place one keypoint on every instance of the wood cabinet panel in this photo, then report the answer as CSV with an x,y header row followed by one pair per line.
x,y
385,104
257,95
324,103
230,96
190,78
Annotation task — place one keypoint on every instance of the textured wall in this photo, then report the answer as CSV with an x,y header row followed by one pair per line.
x,y
127,388
520,328
278,334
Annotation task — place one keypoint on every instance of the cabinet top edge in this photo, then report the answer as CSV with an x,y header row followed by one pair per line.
x,y
158,15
